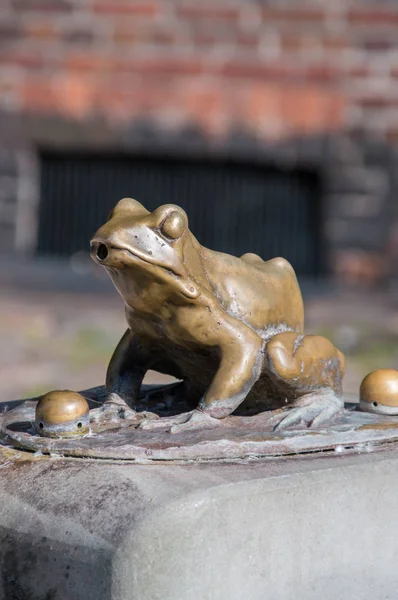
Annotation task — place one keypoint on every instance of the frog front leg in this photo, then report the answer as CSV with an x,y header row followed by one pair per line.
x,y
311,369
240,367
125,373
241,362
127,368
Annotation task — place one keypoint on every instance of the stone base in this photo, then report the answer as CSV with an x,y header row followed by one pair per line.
x,y
235,437
298,528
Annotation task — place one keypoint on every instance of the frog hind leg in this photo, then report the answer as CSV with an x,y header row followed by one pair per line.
x,y
311,369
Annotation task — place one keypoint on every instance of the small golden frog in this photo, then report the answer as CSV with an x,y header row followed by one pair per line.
x,y
230,328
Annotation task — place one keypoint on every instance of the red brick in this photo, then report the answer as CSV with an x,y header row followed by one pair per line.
x,y
360,267
335,110
165,38
303,110
207,10
359,71
202,34
25,59
293,42
250,40
257,70
74,95
205,39
129,34
78,36
161,66
262,106
115,102
36,95
309,40
152,97
392,135
310,110
67,94
299,110
42,30
128,7
294,15
205,105
382,16
133,35
337,42
86,62
126,95
321,73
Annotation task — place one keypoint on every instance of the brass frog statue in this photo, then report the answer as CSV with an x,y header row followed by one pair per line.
x,y
230,328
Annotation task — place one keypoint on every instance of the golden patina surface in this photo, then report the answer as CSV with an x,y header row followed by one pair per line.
x,y
380,387
230,328
62,413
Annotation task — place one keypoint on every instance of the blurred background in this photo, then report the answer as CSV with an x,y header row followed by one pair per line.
x,y
274,123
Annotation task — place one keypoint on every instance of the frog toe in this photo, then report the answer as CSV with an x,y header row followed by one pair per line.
x,y
295,416
162,423
196,421
312,410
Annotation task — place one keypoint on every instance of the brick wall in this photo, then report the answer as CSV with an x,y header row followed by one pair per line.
x,y
276,71
277,68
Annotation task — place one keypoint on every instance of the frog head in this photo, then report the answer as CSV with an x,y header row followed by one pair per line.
x,y
143,246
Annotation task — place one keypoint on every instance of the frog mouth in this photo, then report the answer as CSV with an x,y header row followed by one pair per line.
x,y
101,252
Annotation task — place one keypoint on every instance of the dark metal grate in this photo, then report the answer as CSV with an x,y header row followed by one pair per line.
x,y
233,208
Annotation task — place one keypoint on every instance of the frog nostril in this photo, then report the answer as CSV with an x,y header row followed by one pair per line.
x,y
102,252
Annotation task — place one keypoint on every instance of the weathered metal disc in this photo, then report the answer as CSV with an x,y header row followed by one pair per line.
x,y
235,438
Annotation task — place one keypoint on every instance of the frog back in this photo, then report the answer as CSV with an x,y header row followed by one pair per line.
x,y
263,294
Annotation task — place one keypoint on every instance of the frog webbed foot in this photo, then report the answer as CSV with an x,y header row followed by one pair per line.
x,y
194,420
313,410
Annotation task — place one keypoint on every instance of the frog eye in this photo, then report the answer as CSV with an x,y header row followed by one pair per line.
x,y
174,225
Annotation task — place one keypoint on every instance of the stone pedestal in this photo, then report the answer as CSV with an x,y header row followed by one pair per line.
x,y
298,528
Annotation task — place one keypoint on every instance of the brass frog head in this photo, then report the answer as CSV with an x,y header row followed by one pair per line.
x,y
151,247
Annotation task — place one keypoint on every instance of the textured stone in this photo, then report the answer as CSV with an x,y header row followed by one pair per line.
x,y
290,529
